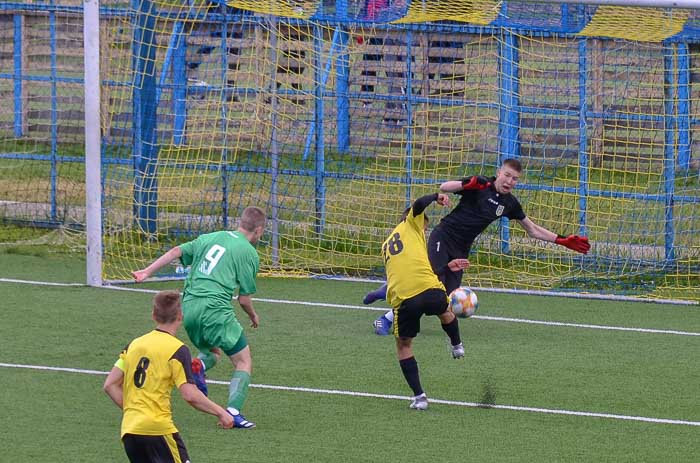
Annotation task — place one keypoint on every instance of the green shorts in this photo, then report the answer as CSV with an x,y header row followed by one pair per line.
x,y
212,324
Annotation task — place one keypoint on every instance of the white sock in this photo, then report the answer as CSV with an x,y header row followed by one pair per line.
x,y
390,316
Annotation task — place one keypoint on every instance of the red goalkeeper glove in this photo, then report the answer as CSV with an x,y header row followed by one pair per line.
x,y
574,242
476,182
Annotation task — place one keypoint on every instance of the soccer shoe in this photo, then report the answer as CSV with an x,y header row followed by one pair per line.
x,y
239,421
457,351
419,402
382,326
200,379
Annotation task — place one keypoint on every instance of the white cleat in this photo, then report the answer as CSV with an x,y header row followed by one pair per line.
x,y
458,351
420,402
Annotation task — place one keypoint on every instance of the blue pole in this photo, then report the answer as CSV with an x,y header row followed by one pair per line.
x,y
144,122
168,60
222,97
180,89
582,136
173,54
320,187
683,106
409,116
17,52
54,114
509,113
669,150
323,78
342,82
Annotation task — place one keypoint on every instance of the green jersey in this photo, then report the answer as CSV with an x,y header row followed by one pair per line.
x,y
221,263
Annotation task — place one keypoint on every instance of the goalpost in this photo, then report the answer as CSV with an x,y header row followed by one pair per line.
x,y
333,115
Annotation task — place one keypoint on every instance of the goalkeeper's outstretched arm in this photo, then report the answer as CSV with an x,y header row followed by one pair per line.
x,y
573,242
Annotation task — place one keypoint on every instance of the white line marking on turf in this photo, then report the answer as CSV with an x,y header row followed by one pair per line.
x,y
42,283
394,397
384,309
585,325
480,317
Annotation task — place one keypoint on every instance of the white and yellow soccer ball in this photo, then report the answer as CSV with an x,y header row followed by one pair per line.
x,y
463,302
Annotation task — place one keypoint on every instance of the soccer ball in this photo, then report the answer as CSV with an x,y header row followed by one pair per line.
x,y
463,302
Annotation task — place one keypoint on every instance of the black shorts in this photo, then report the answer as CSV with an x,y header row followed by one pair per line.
x,y
441,250
155,449
407,316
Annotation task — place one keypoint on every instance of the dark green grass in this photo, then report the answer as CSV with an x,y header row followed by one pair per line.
x,y
569,368
71,420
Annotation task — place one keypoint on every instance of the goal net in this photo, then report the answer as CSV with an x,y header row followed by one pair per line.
x,y
334,115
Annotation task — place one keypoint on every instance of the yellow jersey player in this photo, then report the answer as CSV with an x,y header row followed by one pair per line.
x,y
413,290
141,384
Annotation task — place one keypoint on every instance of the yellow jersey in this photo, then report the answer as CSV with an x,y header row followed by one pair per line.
x,y
408,270
152,364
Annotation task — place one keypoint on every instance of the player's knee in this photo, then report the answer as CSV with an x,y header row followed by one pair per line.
x,y
446,317
242,360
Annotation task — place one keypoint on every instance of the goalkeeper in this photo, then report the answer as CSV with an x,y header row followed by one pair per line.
x,y
483,200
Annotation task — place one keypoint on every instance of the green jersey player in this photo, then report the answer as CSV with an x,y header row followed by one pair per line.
x,y
221,264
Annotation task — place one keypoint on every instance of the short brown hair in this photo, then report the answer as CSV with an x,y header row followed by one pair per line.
x,y
513,164
166,306
252,218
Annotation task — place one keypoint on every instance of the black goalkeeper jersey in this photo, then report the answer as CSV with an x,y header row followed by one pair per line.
x,y
474,212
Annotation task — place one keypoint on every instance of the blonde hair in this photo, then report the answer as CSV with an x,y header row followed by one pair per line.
x,y
252,218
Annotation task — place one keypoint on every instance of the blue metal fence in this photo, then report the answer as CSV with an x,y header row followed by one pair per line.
x,y
565,21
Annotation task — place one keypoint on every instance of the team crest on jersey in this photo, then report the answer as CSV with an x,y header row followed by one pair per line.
x,y
499,210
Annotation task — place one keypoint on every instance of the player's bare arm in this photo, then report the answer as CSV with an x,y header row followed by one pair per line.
x,y
443,199
162,261
536,231
246,303
196,399
451,186
574,242
114,386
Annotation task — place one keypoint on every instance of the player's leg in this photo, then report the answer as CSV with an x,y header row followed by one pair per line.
x,y
378,294
204,361
438,253
407,327
441,251
209,357
450,325
434,302
143,449
452,280
193,310
238,387
235,346
382,324
177,447
409,368
135,447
